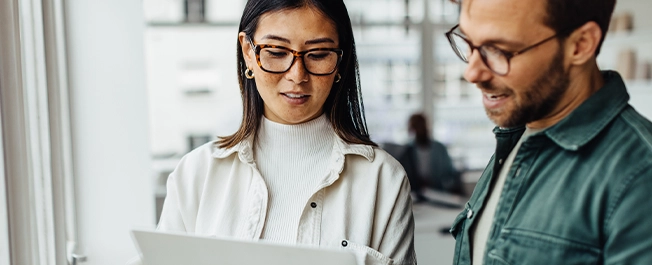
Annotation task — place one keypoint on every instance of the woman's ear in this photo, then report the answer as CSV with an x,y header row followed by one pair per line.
x,y
247,49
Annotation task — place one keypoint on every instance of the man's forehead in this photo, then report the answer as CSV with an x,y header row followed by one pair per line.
x,y
520,17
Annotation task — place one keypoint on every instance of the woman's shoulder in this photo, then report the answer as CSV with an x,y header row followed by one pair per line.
x,y
384,157
204,161
213,149
206,155
202,152
374,157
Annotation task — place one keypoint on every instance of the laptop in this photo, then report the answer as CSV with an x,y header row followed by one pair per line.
x,y
165,248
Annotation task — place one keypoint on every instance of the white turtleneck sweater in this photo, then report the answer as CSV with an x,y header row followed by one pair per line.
x,y
292,160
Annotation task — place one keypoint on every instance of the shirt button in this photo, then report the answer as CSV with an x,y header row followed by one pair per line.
x,y
313,205
344,243
469,214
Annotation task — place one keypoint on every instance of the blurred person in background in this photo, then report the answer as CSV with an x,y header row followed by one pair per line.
x,y
427,162
570,179
301,169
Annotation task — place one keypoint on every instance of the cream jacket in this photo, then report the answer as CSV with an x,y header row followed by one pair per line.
x,y
363,204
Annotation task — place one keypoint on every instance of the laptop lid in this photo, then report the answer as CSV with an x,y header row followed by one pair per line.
x,y
163,248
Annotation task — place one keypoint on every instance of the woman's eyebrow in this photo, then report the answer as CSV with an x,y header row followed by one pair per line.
x,y
282,39
274,37
320,40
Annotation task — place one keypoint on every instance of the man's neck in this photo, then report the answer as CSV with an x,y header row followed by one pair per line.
x,y
583,83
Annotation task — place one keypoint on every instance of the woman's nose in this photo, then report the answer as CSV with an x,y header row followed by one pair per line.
x,y
297,72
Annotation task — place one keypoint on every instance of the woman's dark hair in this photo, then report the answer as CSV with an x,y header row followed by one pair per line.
x,y
343,107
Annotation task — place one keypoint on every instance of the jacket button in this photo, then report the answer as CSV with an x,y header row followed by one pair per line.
x,y
313,205
469,214
500,161
344,243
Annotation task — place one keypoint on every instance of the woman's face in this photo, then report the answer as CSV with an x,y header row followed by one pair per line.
x,y
295,96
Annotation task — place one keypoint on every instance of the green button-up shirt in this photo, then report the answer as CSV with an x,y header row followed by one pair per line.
x,y
579,192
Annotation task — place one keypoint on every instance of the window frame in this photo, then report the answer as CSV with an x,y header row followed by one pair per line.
x,y
37,195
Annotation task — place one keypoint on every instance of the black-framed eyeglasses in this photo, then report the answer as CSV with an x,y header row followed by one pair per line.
x,y
278,59
497,60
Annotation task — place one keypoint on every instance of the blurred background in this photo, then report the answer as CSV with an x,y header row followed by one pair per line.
x,y
100,100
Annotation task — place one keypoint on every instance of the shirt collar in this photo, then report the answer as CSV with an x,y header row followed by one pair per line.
x,y
243,148
342,148
363,150
592,116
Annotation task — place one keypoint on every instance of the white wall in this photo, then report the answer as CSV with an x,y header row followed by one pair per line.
x,y
641,10
639,40
181,60
109,126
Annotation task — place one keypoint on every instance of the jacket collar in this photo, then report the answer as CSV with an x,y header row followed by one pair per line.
x,y
592,116
589,119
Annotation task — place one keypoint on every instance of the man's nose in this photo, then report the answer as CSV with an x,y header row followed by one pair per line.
x,y
477,71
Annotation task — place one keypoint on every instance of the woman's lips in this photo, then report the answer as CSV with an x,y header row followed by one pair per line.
x,y
295,98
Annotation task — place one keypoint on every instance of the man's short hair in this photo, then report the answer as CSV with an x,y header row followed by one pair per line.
x,y
564,16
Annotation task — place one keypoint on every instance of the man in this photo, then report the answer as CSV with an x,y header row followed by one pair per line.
x,y
570,178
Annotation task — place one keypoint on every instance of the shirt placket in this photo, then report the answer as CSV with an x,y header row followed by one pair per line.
x,y
509,196
310,223
505,142
309,231
258,195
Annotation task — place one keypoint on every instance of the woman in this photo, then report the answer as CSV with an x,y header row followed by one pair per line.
x,y
427,162
301,169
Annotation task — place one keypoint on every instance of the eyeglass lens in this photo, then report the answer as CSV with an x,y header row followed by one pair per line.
x,y
491,56
281,60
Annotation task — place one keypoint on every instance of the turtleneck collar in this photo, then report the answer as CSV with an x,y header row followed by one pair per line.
x,y
302,139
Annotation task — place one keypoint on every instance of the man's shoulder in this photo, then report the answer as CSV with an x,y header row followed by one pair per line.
x,y
639,127
626,144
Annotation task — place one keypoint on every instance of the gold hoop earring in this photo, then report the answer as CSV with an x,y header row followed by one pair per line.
x,y
338,78
249,74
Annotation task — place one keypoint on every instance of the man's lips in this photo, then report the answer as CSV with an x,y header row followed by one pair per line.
x,y
494,96
494,100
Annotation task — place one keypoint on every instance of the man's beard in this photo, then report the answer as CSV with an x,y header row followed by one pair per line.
x,y
539,100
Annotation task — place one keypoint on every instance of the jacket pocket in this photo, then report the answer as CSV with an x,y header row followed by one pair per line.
x,y
519,246
366,255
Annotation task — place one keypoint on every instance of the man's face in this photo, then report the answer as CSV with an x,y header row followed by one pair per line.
x,y
537,80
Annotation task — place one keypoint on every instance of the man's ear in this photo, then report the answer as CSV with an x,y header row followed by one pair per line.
x,y
247,51
583,42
